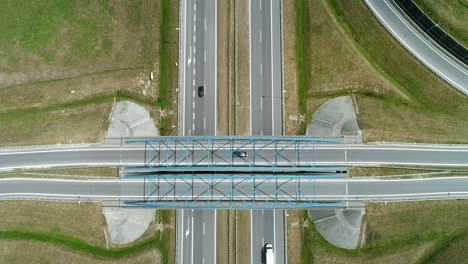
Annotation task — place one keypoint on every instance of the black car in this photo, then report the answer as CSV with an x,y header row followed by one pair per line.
x,y
201,91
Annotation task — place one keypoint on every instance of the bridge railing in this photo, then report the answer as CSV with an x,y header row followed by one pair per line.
x,y
230,153
233,191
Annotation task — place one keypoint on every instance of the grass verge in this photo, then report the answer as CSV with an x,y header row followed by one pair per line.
x,y
64,122
432,110
302,61
83,247
80,227
167,50
450,15
399,232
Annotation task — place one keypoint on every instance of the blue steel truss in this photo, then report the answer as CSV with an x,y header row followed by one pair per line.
x,y
232,191
222,154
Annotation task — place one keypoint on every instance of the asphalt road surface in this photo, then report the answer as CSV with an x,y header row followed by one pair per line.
x,y
265,68
198,23
337,189
267,226
197,236
325,154
431,54
199,59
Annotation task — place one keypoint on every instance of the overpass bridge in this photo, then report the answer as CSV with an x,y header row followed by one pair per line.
x,y
208,172
174,191
217,154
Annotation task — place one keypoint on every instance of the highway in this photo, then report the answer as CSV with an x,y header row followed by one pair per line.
x,y
429,53
198,117
94,155
265,67
334,189
267,226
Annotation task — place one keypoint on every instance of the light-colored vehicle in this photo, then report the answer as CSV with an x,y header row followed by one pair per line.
x,y
240,154
269,254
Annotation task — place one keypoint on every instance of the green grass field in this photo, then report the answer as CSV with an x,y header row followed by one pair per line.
x,y
62,65
75,227
400,232
44,101
35,26
450,15
341,49
399,99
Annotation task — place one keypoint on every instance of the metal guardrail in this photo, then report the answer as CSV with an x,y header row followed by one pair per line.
x,y
231,153
228,191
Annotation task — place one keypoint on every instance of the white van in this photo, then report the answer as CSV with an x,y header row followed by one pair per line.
x,y
269,254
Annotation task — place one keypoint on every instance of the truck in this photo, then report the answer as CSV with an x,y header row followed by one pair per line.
x,y
269,254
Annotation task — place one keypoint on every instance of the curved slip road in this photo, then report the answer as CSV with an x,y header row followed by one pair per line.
x,y
428,52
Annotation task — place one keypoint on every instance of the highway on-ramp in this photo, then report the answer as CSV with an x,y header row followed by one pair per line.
x,y
428,52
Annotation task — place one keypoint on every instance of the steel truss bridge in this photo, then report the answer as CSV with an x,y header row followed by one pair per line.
x,y
208,172
280,154
234,191
236,183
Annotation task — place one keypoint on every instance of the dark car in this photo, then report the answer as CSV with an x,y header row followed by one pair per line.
x,y
201,91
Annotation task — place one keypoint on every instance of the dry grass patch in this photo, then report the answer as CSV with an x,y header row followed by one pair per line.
x,y
81,172
435,111
69,38
295,228
40,252
62,173
242,76
383,121
290,89
409,254
223,74
455,252
222,236
74,125
83,221
315,249
414,219
335,63
369,171
61,91
243,236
